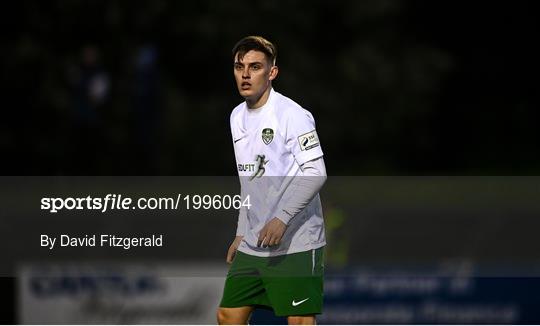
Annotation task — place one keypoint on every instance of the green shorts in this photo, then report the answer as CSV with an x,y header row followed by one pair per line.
x,y
291,285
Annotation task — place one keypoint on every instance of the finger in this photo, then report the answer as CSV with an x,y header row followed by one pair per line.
x,y
275,239
262,235
262,242
230,256
266,241
271,241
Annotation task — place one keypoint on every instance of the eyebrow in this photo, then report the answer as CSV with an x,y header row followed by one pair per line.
x,y
250,64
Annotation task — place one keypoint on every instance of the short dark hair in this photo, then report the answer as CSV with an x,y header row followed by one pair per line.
x,y
256,43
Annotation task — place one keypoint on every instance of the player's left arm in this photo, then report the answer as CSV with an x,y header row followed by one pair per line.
x,y
300,193
303,143
303,189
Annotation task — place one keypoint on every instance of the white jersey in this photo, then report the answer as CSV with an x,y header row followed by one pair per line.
x,y
270,145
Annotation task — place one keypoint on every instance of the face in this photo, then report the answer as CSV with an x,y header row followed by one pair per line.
x,y
253,75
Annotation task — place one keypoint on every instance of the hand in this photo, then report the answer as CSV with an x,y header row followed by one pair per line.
x,y
232,248
271,233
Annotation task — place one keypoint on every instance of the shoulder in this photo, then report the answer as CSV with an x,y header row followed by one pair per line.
x,y
288,110
237,111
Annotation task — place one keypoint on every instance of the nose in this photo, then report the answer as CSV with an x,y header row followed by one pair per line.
x,y
245,73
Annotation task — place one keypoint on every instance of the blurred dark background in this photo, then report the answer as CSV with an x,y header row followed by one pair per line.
x,y
146,87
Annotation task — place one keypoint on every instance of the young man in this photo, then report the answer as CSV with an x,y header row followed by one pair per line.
x,y
276,257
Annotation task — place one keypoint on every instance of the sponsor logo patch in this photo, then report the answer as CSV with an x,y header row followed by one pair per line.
x,y
308,141
258,168
261,162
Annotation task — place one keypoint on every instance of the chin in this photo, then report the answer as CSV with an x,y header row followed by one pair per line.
x,y
245,93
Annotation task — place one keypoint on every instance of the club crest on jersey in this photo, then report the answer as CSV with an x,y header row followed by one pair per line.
x,y
267,135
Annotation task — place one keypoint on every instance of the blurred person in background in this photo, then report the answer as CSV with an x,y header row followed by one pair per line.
x,y
146,106
90,84
90,87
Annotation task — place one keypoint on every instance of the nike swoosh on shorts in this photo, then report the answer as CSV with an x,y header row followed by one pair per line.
x,y
294,303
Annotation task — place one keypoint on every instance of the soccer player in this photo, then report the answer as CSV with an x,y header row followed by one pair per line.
x,y
277,255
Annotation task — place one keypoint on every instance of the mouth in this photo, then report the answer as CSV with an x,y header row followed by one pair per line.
x,y
245,85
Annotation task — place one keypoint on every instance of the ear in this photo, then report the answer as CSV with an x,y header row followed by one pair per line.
x,y
273,73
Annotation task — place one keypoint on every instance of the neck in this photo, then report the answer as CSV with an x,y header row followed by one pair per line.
x,y
255,103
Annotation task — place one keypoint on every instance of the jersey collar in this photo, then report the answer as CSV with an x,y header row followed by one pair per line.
x,y
268,103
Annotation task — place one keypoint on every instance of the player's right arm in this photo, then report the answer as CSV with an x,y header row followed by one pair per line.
x,y
242,215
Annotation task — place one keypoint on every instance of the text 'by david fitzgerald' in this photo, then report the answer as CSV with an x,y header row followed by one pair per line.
x,y
101,240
